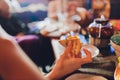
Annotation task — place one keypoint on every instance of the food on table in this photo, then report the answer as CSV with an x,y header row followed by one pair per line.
x,y
115,43
116,39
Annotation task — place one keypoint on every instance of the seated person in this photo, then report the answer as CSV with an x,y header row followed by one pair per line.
x,y
63,19
31,43
100,7
108,8
16,27
22,68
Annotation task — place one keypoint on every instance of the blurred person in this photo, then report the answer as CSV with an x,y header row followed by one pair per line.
x,y
16,26
33,44
108,8
56,23
79,14
66,12
15,65
101,7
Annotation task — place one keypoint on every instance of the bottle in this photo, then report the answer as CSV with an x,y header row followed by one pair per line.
x,y
117,71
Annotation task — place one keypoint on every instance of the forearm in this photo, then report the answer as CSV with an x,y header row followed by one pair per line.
x,y
55,73
21,67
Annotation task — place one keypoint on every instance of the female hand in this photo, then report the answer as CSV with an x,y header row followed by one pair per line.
x,y
67,63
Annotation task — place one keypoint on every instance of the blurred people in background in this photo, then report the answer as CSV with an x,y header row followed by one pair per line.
x,y
16,26
108,8
57,23
100,7
65,12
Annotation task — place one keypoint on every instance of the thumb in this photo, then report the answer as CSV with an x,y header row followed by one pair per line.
x,y
68,50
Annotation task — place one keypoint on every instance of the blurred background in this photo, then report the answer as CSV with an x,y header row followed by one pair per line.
x,y
48,20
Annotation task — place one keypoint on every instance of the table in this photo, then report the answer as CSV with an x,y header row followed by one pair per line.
x,y
100,66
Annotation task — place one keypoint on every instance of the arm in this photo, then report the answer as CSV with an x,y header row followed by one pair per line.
x,y
68,63
101,7
14,63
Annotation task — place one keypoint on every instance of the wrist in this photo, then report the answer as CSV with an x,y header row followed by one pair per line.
x,y
53,75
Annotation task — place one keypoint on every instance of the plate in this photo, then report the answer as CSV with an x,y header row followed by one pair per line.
x,y
93,50
83,76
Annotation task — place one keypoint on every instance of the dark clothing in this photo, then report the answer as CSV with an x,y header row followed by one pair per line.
x,y
39,49
115,9
36,46
13,25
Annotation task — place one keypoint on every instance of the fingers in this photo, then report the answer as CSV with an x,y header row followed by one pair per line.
x,y
75,52
87,52
78,47
67,52
68,48
88,57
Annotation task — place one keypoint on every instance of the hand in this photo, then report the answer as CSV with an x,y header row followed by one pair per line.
x,y
67,64
101,7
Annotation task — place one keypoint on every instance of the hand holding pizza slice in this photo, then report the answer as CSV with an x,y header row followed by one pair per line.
x,y
76,45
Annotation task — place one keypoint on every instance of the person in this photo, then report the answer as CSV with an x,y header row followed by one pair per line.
x,y
7,18
31,43
109,8
61,23
16,65
65,16
100,7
